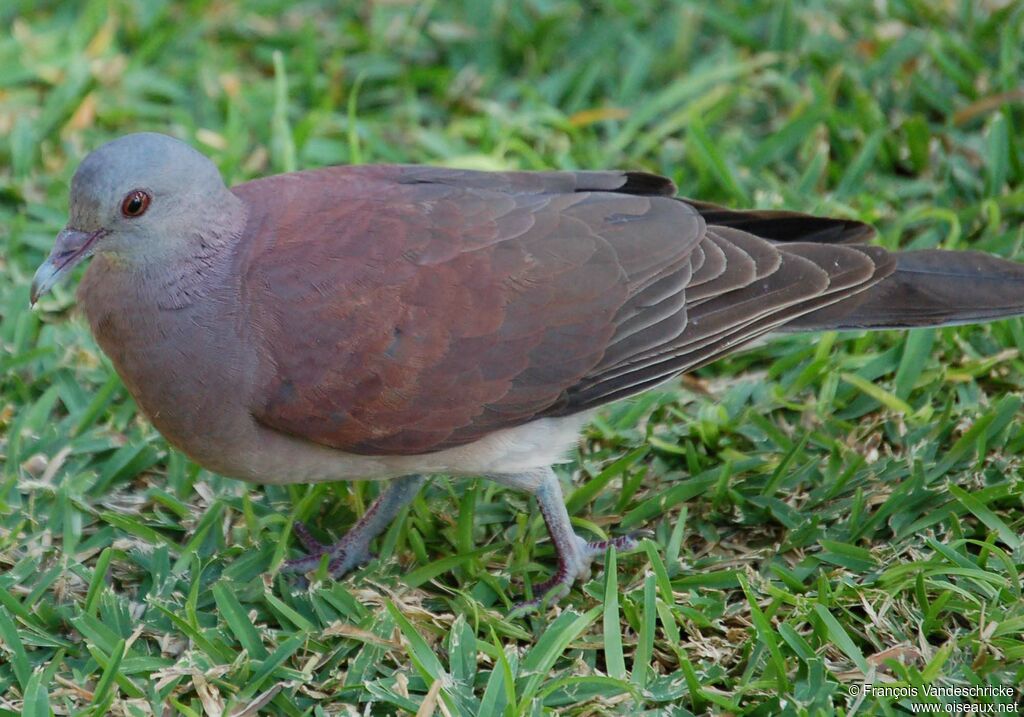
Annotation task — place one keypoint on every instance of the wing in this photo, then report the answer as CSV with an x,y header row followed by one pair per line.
x,y
405,310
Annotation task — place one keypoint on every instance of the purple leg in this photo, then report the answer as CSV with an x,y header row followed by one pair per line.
x,y
574,553
354,548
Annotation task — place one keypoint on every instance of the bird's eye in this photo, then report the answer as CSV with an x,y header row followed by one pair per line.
x,y
135,203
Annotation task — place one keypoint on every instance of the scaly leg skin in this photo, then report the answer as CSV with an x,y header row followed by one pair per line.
x,y
354,548
574,553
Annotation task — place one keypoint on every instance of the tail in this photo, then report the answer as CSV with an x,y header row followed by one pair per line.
x,y
928,288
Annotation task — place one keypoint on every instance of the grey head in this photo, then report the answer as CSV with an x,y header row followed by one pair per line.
x,y
144,199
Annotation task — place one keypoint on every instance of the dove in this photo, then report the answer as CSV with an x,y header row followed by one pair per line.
x,y
391,322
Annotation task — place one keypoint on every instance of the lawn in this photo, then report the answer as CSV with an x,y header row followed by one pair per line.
x,y
823,510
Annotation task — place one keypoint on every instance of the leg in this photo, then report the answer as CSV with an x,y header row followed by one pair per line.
x,y
574,553
354,548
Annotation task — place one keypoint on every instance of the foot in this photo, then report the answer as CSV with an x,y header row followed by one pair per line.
x,y
354,549
344,556
574,565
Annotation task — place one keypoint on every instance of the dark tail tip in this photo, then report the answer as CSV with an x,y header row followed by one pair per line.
x,y
929,288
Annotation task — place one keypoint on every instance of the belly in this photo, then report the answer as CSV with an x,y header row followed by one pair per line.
x,y
279,458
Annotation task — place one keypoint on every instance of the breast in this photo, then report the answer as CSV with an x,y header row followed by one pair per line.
x,y
186,367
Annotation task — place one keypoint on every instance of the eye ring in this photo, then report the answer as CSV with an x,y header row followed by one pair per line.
x,y
135,203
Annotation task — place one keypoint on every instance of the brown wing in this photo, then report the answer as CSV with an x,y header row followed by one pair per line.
x,y
407,309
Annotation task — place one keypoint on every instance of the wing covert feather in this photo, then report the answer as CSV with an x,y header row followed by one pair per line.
x,y
406,311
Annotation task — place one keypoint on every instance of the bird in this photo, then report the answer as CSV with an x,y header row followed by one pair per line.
x,y
393,322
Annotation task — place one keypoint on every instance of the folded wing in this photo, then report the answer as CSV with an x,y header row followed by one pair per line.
x,y
408,310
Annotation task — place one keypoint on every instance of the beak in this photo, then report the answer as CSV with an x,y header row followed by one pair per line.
x,y
70,248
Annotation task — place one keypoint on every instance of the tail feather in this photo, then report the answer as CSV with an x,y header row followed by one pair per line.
x,y
928,288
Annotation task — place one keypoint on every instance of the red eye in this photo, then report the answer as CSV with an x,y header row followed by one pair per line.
x,y
135,203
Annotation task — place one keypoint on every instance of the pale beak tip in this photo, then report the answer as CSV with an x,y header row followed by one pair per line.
x,y
42,282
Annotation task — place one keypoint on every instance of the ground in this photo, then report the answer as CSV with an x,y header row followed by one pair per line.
x,y
823,510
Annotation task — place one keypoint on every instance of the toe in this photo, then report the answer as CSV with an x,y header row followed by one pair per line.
x,y
558,586
310,543
548,592
622,543
301,565
314,548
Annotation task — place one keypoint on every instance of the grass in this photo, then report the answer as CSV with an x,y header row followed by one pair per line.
x,y
824,510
